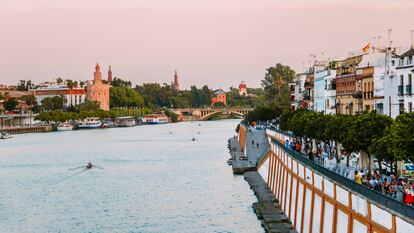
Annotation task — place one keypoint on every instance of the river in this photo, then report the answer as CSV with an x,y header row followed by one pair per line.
x,y
154,179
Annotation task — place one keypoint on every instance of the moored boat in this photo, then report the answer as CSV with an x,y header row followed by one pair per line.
x,y
155,119
5,135
127,121
90,123
64,127
107,124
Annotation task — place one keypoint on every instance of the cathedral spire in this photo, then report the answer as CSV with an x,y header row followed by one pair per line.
x,y
109,74
176,85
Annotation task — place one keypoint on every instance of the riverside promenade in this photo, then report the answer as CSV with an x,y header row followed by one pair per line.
x,y
245,158
244,161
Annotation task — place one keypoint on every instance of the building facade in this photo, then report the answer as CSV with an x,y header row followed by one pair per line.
x,y
330,92
348,98
319,91
72,96
219,97
307,100
242,88
398,85
98,91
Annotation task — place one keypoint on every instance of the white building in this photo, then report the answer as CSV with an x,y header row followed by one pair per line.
x,y
330,92
297,89
71,96
398,85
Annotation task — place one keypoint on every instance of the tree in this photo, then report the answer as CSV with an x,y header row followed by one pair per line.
x,y
88,106
276,84
401,137
70,84
30,100
262,113
21,86
180,102
172,115
52,103
122,96
362,132
117,82
11,104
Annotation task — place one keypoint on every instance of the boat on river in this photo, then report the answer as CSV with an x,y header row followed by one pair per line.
x,y
64,127
5,135
153,119
90,123
126,121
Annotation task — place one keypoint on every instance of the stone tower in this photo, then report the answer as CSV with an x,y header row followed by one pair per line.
x,y
176,85
98,91
97,75
110,74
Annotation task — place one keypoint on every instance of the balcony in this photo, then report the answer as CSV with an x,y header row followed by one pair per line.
x,y
400,90
306,97
357,94
408,90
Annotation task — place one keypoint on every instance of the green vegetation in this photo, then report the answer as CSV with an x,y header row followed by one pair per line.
x,y
369,133
125,97
172,115
262,113
52,103
273,99
11,104
276,85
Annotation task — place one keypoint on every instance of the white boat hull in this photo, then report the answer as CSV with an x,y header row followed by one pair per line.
x,y
65,128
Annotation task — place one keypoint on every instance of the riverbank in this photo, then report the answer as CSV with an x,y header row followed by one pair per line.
x,y
246,151
267,208
28,129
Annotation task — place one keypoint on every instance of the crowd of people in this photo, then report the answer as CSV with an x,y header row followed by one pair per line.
x,y
399,188
402,188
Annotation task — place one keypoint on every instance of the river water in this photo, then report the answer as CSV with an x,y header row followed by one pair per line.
x,y
154,179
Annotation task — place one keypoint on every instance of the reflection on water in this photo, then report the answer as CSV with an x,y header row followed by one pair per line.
x,y
151,181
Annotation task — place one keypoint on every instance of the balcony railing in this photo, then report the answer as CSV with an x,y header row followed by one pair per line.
x,y
400,90
357,94
370,194
408,90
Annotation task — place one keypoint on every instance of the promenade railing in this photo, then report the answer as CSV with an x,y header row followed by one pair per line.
x,y
370,194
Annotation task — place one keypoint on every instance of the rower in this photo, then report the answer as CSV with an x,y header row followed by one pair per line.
x,y
89,166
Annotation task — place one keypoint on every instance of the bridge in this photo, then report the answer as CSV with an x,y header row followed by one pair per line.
x,y
199,114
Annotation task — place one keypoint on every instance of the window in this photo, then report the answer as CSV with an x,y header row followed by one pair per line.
x,y
410,107
401,80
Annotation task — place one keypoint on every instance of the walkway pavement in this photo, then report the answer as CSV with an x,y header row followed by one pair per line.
x,y
256,146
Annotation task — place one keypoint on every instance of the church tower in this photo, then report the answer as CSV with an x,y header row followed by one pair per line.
x,y
176,85
97,75
110,74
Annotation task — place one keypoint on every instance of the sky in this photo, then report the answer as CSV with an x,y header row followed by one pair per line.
x,y
213,42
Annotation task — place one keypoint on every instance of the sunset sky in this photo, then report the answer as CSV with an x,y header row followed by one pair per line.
x,y
213,42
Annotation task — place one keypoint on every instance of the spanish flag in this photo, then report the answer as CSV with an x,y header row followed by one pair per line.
x,y
366,48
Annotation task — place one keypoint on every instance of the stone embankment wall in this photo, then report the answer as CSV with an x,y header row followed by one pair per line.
x,y
316,203
28,129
